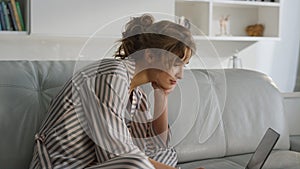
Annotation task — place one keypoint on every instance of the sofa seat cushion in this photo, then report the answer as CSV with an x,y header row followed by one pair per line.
x,y
281,159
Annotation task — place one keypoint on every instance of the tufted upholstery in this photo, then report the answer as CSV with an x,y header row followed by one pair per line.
x,y
224,112
26,88
214,114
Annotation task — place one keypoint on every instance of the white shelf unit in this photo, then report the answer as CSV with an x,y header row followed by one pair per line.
x,y
205,15
235,38
25,10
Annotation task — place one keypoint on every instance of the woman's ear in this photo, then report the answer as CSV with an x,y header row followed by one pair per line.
x,y
149,56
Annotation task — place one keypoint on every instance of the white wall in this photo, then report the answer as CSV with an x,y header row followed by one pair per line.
x,y
82,18
61,29
278,59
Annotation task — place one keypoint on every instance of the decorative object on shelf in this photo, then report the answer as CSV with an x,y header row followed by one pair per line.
x,y
224,24
235,62
209,16
263,0
184,22
255,30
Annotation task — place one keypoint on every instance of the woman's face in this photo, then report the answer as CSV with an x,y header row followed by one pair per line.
x,y
166,78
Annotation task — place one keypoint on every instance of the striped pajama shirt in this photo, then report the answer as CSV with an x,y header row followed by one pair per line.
x,y
94,122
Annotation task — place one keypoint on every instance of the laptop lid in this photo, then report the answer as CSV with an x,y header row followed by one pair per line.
x,y
263,150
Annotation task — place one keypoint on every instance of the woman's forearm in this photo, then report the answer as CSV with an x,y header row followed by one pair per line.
x,y
159,165
160,122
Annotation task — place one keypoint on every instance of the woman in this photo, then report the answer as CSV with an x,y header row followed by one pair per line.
x,y
101,117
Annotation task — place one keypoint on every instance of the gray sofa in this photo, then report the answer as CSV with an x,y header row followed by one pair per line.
x,y
217,116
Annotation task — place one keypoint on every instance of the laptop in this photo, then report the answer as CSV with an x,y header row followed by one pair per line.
x,y
263,150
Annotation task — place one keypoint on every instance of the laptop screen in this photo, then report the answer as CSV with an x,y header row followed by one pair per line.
x,y
263,150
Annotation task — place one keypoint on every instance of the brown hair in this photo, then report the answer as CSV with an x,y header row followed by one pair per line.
x,y
142,33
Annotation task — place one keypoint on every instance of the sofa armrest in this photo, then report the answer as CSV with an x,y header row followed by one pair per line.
x,y
295,143
292,112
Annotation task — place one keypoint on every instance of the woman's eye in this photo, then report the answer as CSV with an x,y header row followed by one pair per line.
x,y
178,64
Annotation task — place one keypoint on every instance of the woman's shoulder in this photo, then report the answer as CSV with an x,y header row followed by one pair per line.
x,y
105,67
109,64
112,66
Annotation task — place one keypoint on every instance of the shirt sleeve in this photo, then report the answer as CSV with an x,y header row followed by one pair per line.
x,y
102,106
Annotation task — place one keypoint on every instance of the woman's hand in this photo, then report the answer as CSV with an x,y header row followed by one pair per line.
x,y
165,91
155,85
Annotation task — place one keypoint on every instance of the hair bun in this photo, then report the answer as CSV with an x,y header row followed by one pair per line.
x,y
138,25
143,33
146,20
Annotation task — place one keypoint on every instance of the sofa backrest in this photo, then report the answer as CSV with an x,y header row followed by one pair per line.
x,y
26,88
224,112
212,113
